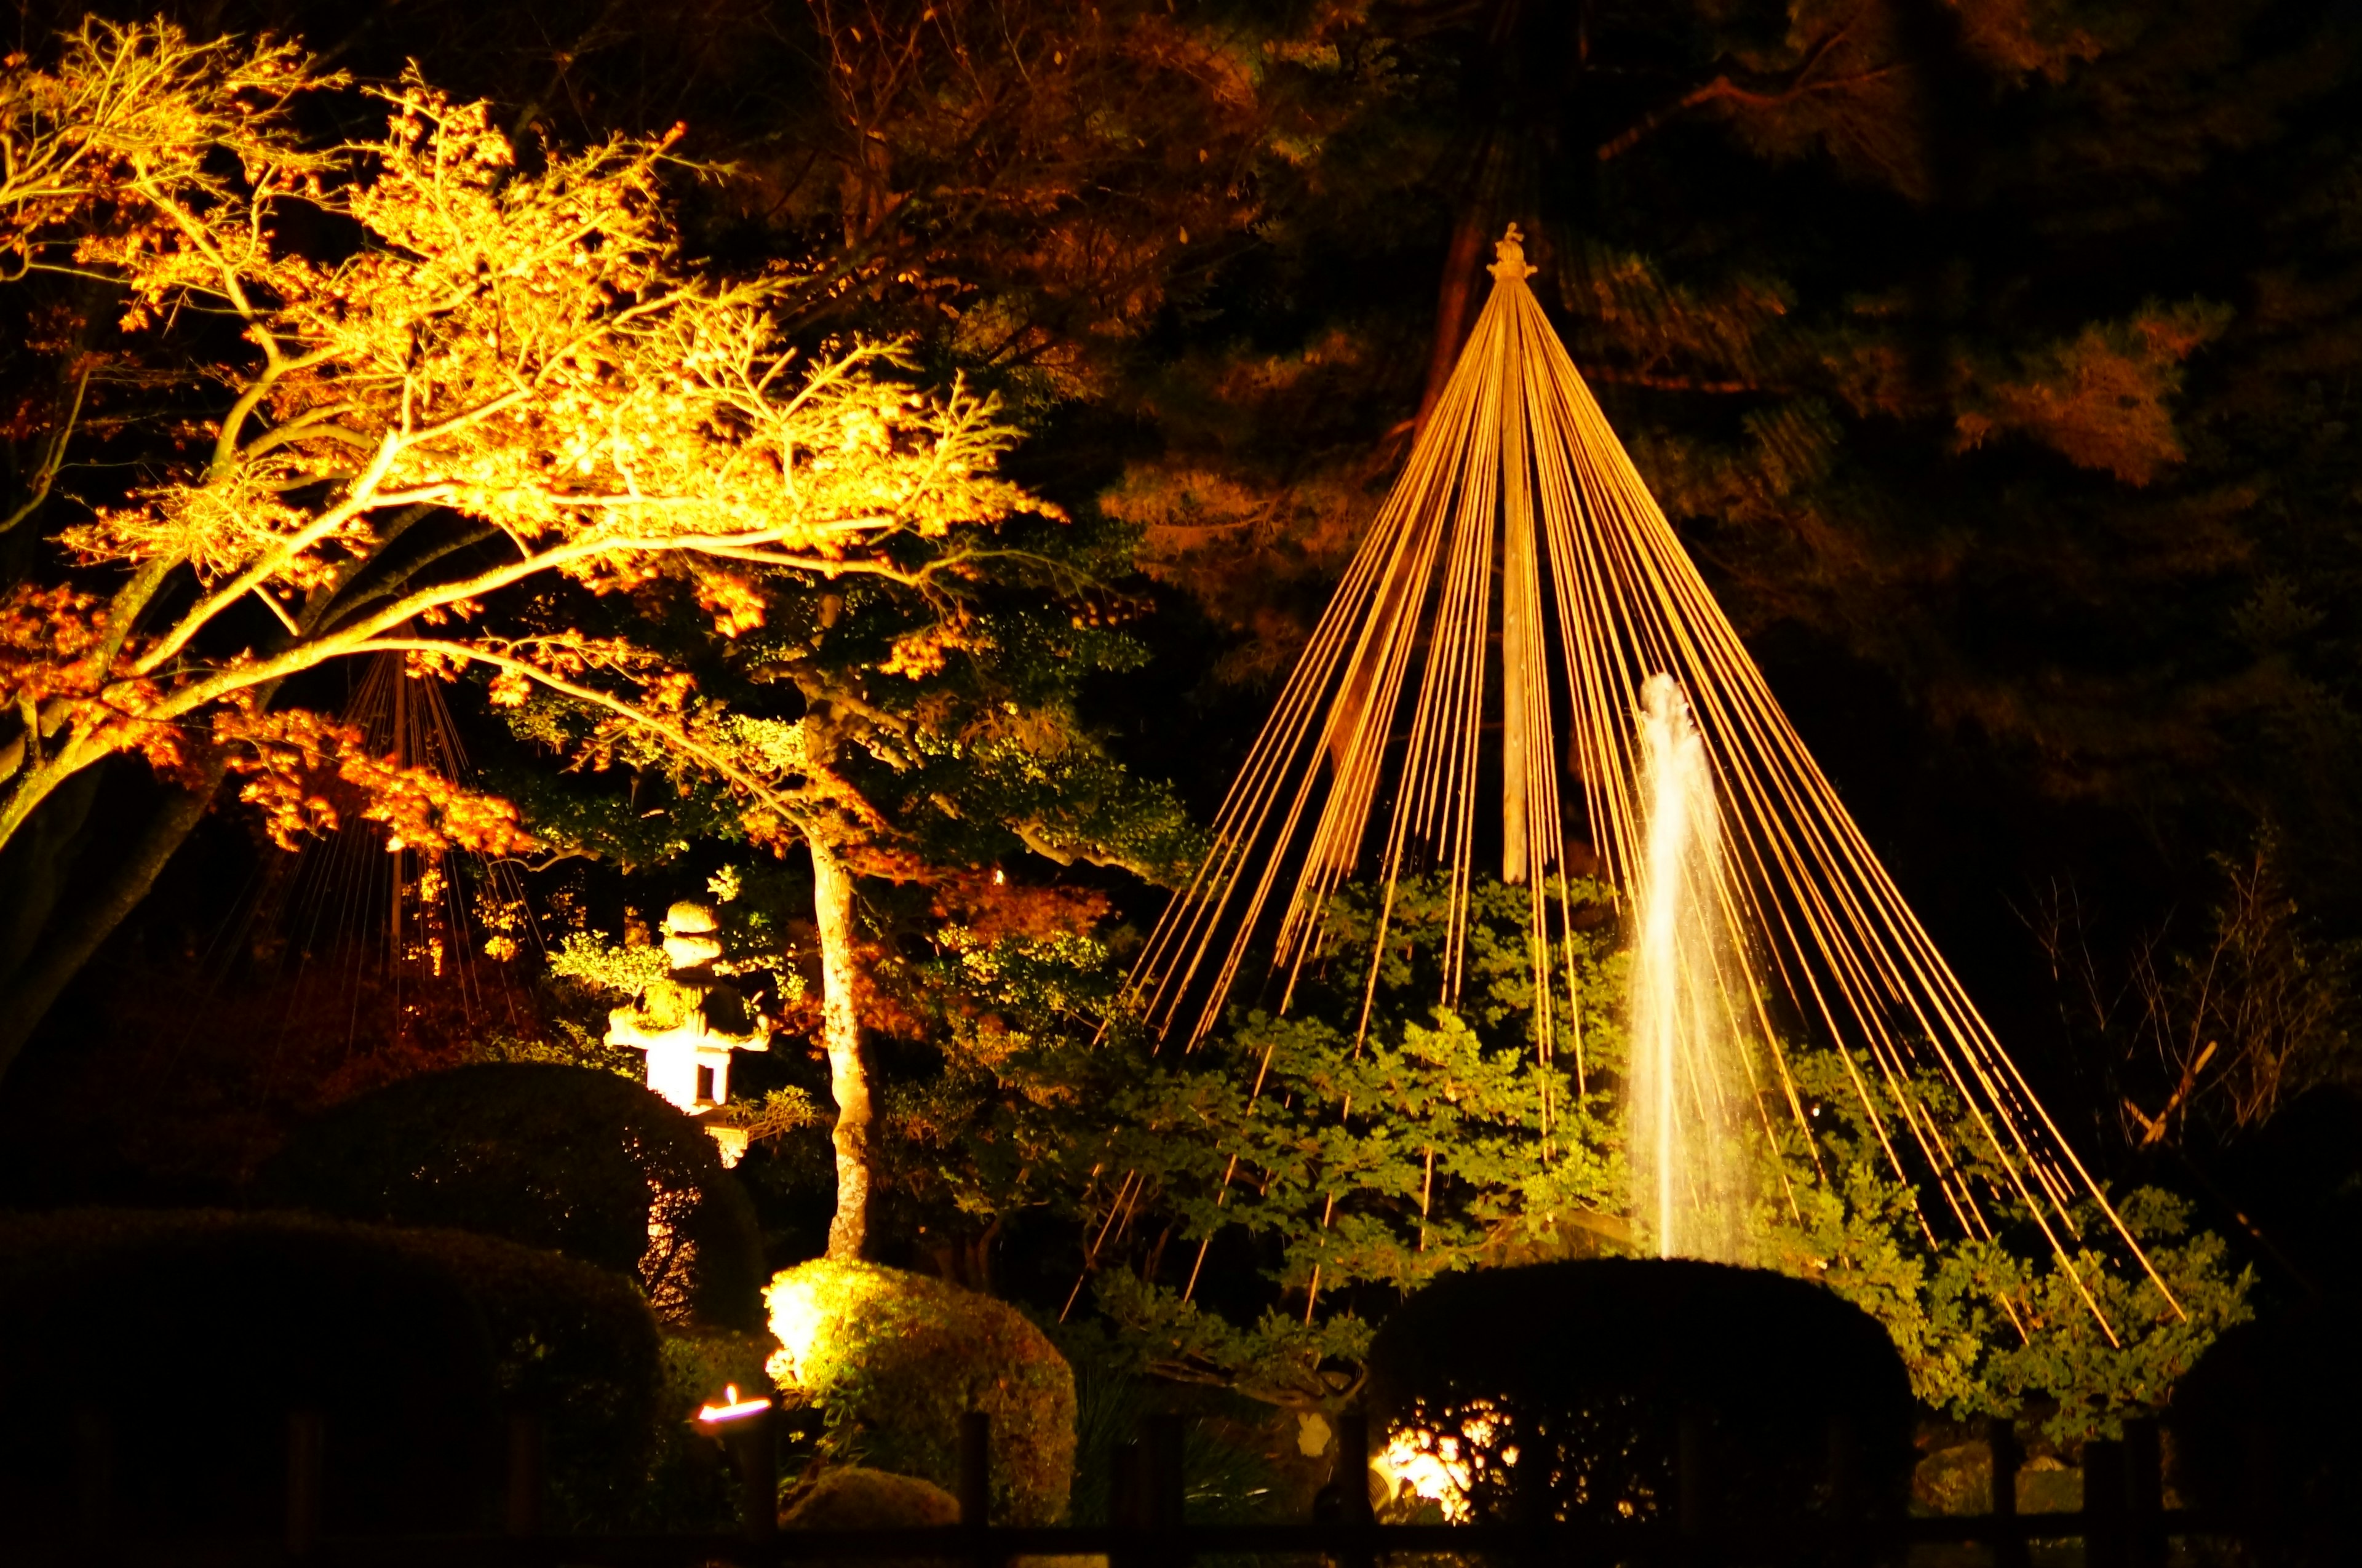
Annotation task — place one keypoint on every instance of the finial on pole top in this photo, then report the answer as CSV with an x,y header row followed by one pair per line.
x,y
1509,258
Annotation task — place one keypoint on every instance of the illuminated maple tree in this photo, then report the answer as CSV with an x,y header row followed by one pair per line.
x,y
419,374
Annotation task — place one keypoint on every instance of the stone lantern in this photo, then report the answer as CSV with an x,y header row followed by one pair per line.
x,y
689,1023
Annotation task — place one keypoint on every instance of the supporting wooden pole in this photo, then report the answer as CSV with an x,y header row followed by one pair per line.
x,y
2144,1495
1690,1484
975,1481
1352,1445
2264,1522
94,1461
754,1443
1166,1487
1846,1495
975,1469
1128,1498
521,1515
2104,1505
2009,1547
305,1460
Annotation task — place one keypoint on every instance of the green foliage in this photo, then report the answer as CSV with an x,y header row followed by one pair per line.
x,y
893,1360
1439,1142
627,969
1005,1104
941,728
1229,1474
1331,1173
563,1158
774,1114
590,959
1987,1327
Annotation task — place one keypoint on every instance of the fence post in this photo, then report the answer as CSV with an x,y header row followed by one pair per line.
x,y
2263,1521
2009,1545
521,1515
1690,1484
2104,1505
975,1469
304,1462
754,1444
1845,1490
1166,1487
975,1479
1352,1443
1158,1493
2144,1495
94,1460
1128,1489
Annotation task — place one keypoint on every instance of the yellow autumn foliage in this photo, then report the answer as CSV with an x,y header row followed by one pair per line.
x,y
501,372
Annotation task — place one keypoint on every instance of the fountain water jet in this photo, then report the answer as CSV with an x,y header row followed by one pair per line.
x,y
1689,1087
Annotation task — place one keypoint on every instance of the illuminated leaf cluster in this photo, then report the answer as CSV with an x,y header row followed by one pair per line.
x,y
505,375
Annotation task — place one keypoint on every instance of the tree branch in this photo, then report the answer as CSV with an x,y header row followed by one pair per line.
x,y
54,458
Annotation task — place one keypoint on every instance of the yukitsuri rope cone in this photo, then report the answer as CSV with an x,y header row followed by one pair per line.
x,y
358,905
1519,517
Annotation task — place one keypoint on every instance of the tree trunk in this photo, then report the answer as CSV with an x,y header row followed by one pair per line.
x,y
37,868
1458,287
89,921
848,1074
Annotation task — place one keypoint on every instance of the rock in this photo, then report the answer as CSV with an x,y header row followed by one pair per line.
x,y
853,1496
2048,1486
1954,1480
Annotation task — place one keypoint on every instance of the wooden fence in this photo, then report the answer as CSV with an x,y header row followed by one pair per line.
x,y
2124,1523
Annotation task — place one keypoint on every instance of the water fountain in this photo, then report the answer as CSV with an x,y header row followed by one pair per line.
x,y
1687,1090
1521,589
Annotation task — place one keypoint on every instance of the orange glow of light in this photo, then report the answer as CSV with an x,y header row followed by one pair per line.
x,y
731,1409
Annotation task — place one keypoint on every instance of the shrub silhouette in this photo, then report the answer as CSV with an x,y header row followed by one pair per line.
x,y
556,1157
1565,1385
189,1336
2290,1382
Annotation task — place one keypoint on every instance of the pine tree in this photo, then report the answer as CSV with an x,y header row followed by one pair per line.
x,y
922,730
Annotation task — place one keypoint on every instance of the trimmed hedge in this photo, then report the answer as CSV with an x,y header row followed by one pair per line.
x,y
2294,1382
191,1335
575,1345
1563,1386
555,1158
893,1360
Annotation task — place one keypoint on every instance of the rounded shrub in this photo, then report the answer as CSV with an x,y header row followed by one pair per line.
x,y
1557,1391
178,1342
566,1159
893,1359
575,1345
2272,1404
